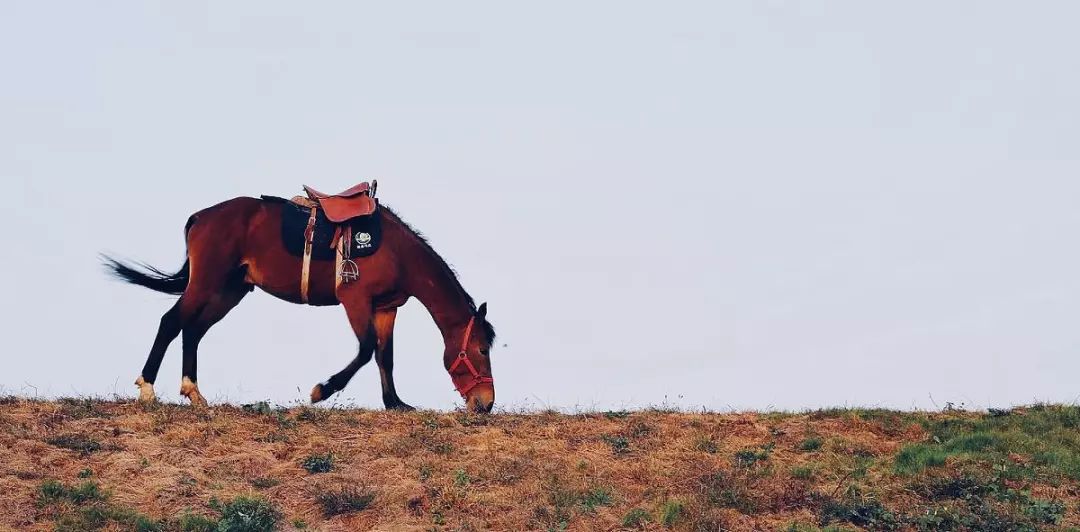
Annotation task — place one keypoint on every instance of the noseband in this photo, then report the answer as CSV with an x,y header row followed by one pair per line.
x,y
475,378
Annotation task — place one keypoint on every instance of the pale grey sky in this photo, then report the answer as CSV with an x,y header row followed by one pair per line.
x,y
722,205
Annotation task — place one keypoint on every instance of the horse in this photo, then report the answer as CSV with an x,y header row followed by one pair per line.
x,y
237,245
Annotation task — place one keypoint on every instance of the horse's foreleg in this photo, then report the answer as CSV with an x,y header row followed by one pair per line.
x,y
384,357
323,391
360,320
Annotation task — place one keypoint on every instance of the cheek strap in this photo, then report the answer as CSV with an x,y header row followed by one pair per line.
x,y
465,383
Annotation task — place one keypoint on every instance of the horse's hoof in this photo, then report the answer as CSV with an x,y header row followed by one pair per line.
x,y
317,394
146,391
401,407
198,401
191,390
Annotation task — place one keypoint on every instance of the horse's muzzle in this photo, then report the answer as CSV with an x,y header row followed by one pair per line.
x,y
481,400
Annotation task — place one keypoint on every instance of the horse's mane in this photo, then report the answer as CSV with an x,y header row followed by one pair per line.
x,y
489,330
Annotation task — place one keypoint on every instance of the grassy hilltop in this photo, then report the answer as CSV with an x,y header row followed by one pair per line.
x,y
85,464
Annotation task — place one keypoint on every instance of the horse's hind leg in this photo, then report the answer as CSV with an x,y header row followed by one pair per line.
x,y
214,308
168,330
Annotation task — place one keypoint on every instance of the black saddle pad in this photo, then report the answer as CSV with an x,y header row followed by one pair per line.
x,y
364,238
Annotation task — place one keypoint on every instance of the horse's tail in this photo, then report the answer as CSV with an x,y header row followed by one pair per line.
x,y
151,277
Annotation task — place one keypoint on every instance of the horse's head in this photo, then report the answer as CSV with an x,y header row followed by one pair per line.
x,y
469,362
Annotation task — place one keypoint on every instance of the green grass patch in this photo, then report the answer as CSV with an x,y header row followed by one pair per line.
x,y
914,458
318,463
87,507
54,491
248,514
637,518
461,478
595,498
706,444
190,522
619,444
75,442
1047,436
263,483
749,457
564,501
859,510
344,501
671,513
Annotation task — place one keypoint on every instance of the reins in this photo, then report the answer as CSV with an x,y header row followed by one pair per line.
x,y
476,378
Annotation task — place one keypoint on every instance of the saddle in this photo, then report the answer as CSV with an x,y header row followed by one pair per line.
x,y
342,208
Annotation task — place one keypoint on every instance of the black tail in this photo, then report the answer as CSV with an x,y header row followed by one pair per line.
x,y
152,278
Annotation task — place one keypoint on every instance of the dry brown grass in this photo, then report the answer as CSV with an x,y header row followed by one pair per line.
x,y
451,471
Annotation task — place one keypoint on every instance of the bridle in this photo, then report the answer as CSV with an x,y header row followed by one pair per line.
x,y
475,378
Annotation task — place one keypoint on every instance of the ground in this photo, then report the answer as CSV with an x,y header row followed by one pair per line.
x,y
85,464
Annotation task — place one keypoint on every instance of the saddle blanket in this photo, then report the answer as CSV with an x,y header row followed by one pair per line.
x,y
364,237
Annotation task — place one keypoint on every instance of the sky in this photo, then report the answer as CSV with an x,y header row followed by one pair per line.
x,y
701,205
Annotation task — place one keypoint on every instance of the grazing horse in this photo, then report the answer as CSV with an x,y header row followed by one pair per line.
x,y
237,245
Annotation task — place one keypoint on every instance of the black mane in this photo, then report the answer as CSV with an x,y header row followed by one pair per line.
x,y
489,330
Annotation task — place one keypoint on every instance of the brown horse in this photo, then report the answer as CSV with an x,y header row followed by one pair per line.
x,y
237,245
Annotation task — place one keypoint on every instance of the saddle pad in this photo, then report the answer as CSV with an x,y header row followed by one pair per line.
x,y
364,239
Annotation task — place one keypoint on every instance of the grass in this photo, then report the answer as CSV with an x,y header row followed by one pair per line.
x,y
671,512
318,463
263,483
637,518
859,510
81,408
190,522
706,444
749,457
87,506
595,498
345,500
1047,435
101,465
619,444
53,491
75,442
248,514
810,445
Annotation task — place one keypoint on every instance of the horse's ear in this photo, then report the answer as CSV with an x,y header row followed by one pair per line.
x,y
482,311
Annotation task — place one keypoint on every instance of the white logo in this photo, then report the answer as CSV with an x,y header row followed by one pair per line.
x,y
363,239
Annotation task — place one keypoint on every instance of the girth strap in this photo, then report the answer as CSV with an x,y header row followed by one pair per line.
x,y
309,240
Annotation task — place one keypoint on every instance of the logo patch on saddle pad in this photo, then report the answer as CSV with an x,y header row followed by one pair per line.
x,y
363,239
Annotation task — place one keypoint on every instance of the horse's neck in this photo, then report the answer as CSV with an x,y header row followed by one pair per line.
x,y
429,280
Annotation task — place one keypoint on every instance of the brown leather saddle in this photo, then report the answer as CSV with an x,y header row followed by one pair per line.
x,y
340,208
343,206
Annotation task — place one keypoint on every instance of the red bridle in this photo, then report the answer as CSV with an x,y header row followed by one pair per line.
x,y
475,378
